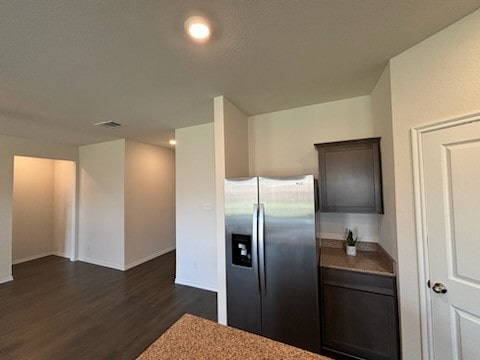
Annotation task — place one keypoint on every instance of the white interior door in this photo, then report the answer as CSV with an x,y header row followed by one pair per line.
x,y
451,171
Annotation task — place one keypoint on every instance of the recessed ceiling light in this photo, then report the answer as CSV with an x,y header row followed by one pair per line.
x,y
198,28
172,142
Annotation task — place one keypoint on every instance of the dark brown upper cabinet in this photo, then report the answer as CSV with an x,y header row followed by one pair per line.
x,y
350,176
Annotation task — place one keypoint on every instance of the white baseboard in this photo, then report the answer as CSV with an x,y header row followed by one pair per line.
x,y
148,258
124,267
33,257
60,254
195,284
101,263
6,279
38,256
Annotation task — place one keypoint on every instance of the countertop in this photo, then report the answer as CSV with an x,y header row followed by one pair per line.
x,y
194,338
375,261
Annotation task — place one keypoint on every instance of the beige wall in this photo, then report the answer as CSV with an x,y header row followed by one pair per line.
x,y
25,147
33,208
382,126
435,80
149,202
101,207
43,208
236,141
195,207
281,144
64,209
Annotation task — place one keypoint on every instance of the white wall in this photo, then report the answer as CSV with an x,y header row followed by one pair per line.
x,y
231,160
64,208
33,208
101,208
149,202
382,126
195,207
436,80
281,144
26,147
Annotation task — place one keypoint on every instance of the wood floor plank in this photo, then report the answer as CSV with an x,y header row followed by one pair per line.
x,y
57,309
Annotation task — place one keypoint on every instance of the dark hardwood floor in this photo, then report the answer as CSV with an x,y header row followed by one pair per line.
x,y
57,309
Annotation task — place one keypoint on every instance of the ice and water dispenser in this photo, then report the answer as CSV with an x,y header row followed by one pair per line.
x,y
242,250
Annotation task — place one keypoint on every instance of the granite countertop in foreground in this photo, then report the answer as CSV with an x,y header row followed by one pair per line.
x,y
194,338
375,261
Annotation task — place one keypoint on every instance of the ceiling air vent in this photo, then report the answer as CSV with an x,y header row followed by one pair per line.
x,y
109,124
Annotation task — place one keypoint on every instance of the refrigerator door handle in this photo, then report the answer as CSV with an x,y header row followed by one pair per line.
x,y
261,248
255,246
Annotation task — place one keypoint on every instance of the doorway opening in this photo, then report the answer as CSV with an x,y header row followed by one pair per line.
x,y
44,203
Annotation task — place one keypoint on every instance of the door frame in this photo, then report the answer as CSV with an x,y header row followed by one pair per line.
x,y
421,224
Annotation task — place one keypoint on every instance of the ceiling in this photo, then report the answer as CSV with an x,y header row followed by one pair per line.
x,y
65,65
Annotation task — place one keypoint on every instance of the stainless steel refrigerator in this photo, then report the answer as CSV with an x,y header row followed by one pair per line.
x,y
271,255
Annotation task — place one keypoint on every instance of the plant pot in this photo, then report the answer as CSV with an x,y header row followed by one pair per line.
x,y
351,250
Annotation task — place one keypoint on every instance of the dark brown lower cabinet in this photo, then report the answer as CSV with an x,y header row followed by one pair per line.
x,y
360,314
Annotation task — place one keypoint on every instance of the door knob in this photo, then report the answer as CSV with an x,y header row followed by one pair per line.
x,y
439,288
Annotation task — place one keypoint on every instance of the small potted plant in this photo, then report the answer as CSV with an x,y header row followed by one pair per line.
x,y
350,242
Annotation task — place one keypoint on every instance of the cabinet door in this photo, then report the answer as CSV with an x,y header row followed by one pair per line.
x,y
350,176
358,321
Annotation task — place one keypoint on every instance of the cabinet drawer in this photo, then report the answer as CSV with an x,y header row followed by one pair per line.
x,y
384,285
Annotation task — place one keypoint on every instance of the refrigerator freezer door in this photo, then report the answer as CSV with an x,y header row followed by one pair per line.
x,y
243,288
290,310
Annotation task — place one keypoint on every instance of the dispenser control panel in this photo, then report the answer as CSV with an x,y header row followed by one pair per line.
x,y
242,250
